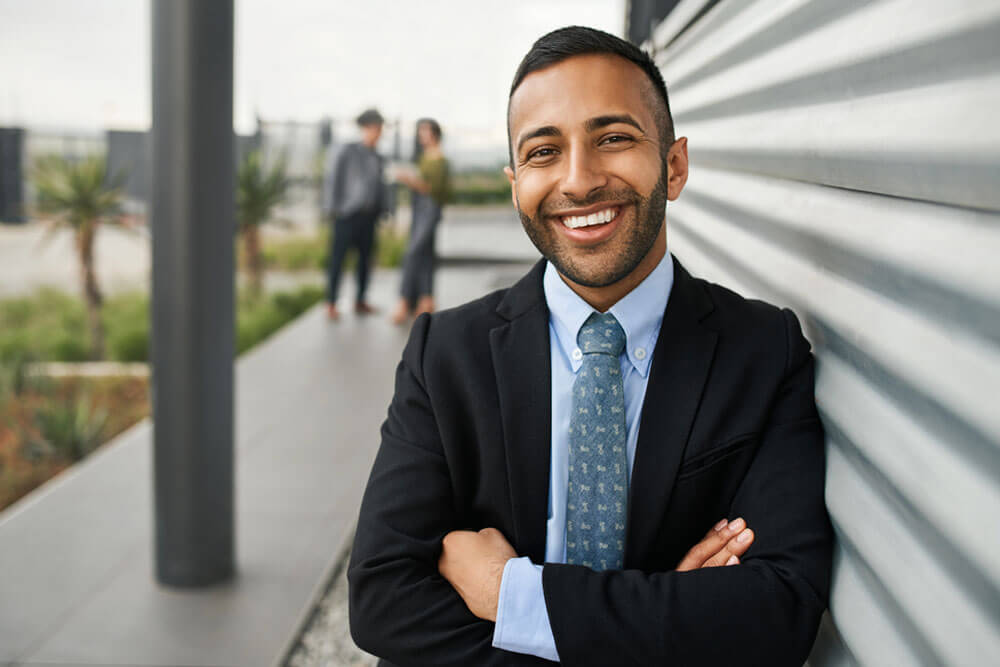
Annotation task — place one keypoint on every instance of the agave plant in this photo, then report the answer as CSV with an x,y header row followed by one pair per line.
x,y
72,427
258,191
78,195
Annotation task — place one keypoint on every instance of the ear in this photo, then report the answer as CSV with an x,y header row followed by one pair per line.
x,y
677,168
509,173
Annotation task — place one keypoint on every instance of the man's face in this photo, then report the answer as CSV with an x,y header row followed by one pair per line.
x,y
371,133
589,180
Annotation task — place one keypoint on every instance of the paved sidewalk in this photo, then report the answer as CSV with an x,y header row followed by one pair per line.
x,y
76,584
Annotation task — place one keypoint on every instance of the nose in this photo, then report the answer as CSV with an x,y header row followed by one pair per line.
x,y
583,176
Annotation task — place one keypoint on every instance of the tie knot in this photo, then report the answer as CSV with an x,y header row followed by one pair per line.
x,y
601,334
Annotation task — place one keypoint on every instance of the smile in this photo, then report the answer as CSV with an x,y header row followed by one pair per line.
x,y
597,218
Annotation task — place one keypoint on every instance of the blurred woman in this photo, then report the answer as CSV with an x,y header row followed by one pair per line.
x,y
430,188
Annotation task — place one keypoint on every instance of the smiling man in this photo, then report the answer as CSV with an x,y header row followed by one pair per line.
x,y
611,462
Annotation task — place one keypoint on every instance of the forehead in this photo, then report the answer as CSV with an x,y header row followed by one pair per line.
x,y
579,88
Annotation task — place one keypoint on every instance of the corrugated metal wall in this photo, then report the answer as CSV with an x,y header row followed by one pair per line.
x,y
845,161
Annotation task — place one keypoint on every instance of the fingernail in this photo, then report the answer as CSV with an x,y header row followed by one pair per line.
x,y
735,524
744,536
733,560
721,524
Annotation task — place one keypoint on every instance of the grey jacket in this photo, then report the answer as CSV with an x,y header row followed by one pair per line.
x,y
353,183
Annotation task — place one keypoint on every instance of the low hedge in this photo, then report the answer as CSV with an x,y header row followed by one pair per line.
x,y
51,325
309,253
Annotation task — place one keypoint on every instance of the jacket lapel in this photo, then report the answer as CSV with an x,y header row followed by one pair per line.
x,y
520,351
681,363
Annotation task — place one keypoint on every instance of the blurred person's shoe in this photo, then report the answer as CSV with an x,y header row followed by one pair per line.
x,y
332,313
364,308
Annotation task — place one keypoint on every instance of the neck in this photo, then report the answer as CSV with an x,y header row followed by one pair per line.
x,y
602,298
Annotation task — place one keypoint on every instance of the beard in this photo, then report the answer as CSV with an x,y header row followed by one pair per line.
x,y
608,262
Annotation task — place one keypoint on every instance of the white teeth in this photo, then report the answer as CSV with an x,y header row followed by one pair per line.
x,y
576,221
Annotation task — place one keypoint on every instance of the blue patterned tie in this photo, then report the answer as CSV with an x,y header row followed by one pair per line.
x,y
597,495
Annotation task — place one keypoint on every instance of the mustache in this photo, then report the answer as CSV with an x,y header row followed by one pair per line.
x,y
566,203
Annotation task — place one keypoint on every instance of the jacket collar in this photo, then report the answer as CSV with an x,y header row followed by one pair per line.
x,y
524,294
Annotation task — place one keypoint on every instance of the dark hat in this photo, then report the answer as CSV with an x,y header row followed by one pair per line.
x,y
370,117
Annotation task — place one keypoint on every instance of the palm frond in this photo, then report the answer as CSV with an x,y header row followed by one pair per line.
x,y
259,190
76,192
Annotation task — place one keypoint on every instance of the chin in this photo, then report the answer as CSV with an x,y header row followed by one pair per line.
x,y
592,276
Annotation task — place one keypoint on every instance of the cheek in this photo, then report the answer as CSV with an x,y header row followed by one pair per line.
x,y
532,188
640,172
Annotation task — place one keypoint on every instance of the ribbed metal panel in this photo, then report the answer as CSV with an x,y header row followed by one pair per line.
x,y
845,161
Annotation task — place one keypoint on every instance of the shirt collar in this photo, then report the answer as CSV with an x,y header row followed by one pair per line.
x,y
640,312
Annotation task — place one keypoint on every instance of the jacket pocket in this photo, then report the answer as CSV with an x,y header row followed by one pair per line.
x,y
716,454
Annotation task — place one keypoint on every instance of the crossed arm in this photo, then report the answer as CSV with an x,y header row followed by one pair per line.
x,y
473,562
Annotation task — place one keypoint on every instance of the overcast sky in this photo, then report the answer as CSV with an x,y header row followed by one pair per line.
x,y
85,64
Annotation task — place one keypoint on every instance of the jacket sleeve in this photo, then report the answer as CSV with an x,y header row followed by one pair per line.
x,y
332,189
766,610
401,609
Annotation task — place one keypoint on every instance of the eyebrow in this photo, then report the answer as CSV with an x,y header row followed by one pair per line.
x,y
592,124
544,131
603,121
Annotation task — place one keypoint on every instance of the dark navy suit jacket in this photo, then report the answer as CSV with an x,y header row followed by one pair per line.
x,y
729,428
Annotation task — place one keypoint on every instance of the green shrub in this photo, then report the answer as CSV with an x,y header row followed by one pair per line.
x,y
255,322
126,320
72,427
391,247
129,345
293,304
49,325
13,377
66,347
15,344
257,319
476,188
300,253
306,253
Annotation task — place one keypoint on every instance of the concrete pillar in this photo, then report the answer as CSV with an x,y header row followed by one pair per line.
x,y
193,283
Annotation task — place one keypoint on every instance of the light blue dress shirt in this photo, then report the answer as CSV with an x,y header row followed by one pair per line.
x,y
522,620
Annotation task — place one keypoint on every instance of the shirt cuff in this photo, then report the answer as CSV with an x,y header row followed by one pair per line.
x,y
522,619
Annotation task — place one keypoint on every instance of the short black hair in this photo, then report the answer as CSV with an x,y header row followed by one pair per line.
x,y
370,117
565,43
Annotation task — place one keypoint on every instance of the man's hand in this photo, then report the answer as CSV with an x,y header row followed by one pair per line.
x,y
473,564
723,545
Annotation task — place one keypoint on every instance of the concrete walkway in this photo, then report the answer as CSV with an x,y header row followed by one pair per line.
x,y
76,584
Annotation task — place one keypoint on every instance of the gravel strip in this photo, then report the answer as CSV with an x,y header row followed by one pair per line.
x,y
326,641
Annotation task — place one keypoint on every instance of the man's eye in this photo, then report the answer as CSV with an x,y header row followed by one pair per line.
x,y
541,153
616,139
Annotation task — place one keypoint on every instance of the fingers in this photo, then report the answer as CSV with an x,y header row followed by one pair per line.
x,y
733,550
709,545
723,540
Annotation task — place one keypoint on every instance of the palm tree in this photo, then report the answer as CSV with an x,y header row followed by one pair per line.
x,y
77,194
258,191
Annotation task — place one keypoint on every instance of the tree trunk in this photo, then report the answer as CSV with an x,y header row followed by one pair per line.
x,y
91,292
254,262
